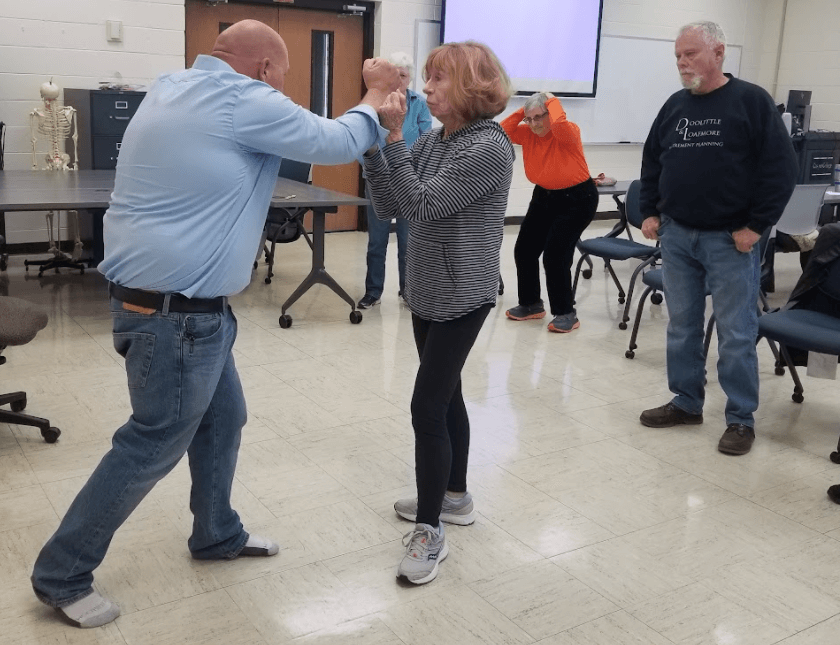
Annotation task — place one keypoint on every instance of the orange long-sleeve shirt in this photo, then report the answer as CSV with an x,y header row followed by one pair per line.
x,y
556,160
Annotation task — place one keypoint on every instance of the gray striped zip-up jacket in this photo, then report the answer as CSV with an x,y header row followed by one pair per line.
x,y
454,194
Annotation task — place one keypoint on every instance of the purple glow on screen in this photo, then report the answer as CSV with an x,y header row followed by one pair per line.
x,y
549,40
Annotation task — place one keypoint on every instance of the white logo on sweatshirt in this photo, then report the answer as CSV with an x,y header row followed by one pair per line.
x,y
692,130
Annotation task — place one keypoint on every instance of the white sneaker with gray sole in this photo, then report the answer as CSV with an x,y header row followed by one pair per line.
x,y
426,547
453,511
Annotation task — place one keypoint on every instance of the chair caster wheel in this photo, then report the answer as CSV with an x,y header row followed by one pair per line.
x,y
656,299
835,457
621,300
256,264
285,321
268,280
629,354
622,325
18,406
50,435
797,398
586,273
780,371
355,317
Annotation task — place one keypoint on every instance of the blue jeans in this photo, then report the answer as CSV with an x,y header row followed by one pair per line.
x,y
692,260
378,232
185,398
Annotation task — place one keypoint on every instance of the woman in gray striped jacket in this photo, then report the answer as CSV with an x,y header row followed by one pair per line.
x,y
452,187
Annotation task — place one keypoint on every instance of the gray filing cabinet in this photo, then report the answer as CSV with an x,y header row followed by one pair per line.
x,y
102,116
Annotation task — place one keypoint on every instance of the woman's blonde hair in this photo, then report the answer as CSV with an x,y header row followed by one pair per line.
x,y
480,86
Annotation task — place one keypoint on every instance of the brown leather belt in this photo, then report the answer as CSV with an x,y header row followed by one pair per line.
x,y
177,302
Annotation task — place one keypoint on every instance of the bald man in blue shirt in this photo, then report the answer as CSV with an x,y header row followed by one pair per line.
x,y
195,176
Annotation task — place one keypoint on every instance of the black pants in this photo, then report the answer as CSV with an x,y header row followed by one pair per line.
x,y
551,228
438,413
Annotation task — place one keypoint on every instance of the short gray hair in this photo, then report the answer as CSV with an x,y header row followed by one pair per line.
x,y
536,100
711,32
401,59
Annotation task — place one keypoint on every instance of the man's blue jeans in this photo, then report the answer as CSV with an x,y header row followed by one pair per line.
x,y
691,260
186,398
378,233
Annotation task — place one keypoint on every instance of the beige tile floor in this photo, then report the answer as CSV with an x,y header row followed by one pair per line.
x,y
592,530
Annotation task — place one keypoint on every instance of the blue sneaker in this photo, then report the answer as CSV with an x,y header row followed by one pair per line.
x,y
527,312
564,324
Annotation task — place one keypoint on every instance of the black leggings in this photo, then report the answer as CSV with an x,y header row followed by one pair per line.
x,y
551,228
438,413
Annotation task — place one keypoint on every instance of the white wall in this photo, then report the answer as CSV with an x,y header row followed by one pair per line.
x,y
66,41
810,58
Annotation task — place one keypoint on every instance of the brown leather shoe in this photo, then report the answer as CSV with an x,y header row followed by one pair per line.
x,y
737,439
668,415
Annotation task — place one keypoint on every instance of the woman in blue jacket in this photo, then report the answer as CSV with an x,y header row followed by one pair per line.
x,y
417,121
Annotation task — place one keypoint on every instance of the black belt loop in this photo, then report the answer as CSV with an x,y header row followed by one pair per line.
x,y
166,300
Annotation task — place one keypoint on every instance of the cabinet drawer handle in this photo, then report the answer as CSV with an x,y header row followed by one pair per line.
x,y
121,118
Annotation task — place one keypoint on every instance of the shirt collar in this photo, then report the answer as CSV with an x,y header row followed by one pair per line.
x,y
211,64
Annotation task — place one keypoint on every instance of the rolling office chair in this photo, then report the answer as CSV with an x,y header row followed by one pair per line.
x,y
284,225
810,322
20,321
612,247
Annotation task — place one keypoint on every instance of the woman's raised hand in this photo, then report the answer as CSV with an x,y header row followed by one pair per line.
x,y
392,114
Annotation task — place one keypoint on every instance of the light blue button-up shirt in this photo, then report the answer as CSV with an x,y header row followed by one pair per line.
x,y
196,171
417,117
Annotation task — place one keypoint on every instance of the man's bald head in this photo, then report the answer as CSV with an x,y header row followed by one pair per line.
x,y
254,49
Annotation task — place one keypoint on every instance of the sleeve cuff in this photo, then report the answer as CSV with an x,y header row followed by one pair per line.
x,y
381,132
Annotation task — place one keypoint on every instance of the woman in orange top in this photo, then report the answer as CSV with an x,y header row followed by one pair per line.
x,y
563,204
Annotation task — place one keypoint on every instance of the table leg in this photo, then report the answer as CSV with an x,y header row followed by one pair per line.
x,y
98,215
318,274
4,257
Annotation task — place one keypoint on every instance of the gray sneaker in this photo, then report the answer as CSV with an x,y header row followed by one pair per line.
x,y
453,511
527,312
425,547
564,324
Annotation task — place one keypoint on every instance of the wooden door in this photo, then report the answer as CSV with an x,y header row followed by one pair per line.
x,y
299,27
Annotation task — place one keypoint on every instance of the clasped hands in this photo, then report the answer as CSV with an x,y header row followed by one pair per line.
x,y
382,76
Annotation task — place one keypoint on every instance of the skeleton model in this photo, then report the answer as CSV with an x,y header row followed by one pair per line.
x,y
56,122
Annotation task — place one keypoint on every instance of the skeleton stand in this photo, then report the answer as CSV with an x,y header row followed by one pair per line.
x,y
56,123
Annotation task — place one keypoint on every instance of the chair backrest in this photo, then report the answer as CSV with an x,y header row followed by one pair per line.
x,y
802,213
631,204
295,170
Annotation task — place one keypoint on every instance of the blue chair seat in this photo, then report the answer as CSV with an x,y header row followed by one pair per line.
x,y
653,279
616,248
809,330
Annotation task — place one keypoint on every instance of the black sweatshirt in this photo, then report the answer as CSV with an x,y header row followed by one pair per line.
x,y
719,161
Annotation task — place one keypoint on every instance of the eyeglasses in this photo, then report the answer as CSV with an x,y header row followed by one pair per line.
x,y
533,119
